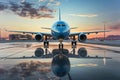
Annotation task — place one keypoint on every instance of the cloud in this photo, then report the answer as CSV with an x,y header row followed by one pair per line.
x,y
51,0
115,27
58,3
53,3
23,0
29,10
45,9
2,6
84,15
42,0
95,28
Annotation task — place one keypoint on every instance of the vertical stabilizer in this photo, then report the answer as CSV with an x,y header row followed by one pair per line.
x,y
59,15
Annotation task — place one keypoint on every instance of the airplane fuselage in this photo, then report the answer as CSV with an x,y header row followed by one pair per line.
x,y
60,30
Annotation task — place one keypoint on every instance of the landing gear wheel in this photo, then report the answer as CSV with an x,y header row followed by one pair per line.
x,y
46,46
39,52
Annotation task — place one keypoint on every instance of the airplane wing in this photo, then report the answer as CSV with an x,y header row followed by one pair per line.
x,y
45,28
77,33
73,27
24,32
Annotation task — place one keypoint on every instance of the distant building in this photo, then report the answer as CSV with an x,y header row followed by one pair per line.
x,y
109,37
113,37
20,37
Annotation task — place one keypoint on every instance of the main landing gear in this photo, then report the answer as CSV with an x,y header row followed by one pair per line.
x,y
73,45
40,52
46,45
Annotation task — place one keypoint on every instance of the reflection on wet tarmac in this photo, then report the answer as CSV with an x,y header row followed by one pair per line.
x,y
27,71
60,65
40,69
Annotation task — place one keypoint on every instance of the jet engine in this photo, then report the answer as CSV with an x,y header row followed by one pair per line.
x,y
39,37
39,52
82,52
82,37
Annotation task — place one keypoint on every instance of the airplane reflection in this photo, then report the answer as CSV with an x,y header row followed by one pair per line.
x,y
82,52
39,52
60,64
104,59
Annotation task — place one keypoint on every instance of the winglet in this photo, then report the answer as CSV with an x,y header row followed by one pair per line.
x,y
59,15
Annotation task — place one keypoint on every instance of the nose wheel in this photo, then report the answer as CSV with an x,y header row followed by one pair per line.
x,y
61,46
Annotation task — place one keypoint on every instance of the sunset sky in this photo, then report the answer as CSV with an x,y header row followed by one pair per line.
x,y
87,15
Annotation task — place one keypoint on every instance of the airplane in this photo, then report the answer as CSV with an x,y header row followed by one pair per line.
x,y
60,64
60,31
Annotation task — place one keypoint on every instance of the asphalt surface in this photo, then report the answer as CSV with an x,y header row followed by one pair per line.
x,y
81,69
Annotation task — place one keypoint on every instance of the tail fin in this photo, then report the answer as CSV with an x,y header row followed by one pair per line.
x,y
59,15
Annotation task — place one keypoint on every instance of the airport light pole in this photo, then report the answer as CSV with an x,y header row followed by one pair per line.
x,y
0,34
104,29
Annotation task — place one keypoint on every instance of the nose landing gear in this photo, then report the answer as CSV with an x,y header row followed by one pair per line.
x,y
61,45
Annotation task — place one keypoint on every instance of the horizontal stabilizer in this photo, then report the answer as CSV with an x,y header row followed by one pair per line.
x,y
73,27
45,28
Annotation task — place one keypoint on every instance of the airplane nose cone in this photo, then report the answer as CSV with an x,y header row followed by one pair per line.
x,y
62,34
60,65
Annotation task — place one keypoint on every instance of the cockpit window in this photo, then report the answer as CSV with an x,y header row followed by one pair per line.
x,y
63,24
58,24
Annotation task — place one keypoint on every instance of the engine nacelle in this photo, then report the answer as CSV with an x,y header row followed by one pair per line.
x,y
39,37
82,52
82,37
39,52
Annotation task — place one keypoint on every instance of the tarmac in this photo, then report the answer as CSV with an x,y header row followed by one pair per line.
x,y
81,69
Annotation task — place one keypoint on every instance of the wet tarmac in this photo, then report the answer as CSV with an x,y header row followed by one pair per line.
x,y
40,68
